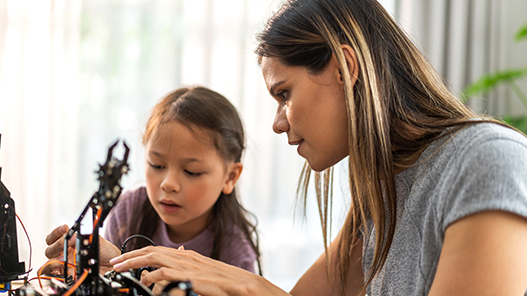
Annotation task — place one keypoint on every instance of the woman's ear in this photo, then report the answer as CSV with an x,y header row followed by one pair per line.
x,y
351,62
233,174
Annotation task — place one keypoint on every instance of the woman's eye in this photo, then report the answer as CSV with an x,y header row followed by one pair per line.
x,y
193,174
282,95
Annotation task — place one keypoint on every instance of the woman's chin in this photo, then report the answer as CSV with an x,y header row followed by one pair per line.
x,y
319,166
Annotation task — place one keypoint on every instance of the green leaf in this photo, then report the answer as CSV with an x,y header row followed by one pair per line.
x,y
521,34
489,81
519,122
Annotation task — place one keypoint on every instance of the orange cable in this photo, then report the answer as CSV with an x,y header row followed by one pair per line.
x,y
28,240
39,274
77,283
96,221
47,278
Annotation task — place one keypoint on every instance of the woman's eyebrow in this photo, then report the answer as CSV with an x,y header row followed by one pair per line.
x,y
274,86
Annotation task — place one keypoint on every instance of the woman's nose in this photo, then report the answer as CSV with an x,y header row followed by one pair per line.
x,y
170,183
280,123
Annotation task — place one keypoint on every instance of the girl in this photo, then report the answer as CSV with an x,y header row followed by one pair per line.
x,y
194,141
438,194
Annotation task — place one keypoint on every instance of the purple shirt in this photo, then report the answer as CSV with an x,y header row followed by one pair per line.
x,y
236,248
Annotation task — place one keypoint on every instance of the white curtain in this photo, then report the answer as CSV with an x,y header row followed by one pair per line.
x,y
39,87
77,75
465,39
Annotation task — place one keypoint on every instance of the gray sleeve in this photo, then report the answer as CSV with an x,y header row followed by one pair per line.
x,y
488,175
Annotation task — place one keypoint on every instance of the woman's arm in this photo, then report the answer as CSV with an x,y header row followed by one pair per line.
x,y
315,280
212,277
208,276
483,254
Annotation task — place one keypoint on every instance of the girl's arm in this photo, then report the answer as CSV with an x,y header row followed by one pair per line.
x,y
55,242
483,254
315,280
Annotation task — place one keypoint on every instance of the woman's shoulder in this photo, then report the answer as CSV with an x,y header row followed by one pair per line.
x,y
482,142
486,169
487,144
490,131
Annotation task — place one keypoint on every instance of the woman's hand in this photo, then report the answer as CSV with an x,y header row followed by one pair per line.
x,y
208,276
55,242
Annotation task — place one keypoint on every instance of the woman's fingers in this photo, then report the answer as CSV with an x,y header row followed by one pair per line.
x,y
159,286
162,275
149,253
137,259
208,276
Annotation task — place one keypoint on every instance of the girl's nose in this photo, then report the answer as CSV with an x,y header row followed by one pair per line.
x,y
280,124
170,183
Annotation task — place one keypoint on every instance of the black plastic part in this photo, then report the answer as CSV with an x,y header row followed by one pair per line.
x,y
10,267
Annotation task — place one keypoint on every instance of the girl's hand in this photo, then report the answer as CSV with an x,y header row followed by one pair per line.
x,y
208,276
55,242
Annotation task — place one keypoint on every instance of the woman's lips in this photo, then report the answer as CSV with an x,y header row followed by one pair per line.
x,y
169,207
299,143
293,143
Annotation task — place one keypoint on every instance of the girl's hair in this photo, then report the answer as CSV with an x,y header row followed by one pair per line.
x,y
202,108
397,107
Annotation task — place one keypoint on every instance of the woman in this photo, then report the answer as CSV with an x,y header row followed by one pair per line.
x,y
438,194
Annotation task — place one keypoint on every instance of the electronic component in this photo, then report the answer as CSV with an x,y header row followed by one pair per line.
x,y
10,268
88,280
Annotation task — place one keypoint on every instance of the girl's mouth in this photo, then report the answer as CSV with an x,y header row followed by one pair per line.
x,y
169,206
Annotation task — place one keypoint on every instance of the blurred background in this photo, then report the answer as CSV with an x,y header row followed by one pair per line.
x,y
75,76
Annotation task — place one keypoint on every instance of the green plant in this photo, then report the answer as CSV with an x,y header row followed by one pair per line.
x,y
488,82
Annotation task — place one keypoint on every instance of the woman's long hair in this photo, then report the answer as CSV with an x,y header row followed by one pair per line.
x,y
396,108
202,108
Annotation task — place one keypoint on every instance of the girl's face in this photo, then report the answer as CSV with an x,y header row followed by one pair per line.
x,y
184,177
311,110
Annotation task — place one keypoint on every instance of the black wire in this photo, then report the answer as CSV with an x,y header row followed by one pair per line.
x,y
123,248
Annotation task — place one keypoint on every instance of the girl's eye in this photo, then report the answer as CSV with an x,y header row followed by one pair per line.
x,y
193,174
155,167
